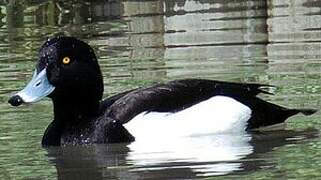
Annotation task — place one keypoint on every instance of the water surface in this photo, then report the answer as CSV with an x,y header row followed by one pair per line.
x,y
139,43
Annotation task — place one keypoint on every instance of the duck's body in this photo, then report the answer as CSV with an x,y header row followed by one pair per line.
x,y
69,74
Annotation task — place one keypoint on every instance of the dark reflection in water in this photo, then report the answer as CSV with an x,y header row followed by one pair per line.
x,y
188,158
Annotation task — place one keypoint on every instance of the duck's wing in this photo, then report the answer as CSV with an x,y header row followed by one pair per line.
x,y
106,103
175,96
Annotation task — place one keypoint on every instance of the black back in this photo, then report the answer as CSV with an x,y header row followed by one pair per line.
x,y
180,94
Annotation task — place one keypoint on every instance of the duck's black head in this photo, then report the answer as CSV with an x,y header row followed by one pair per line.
x,y
67,71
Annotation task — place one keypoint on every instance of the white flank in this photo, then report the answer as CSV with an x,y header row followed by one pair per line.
x,y
219,114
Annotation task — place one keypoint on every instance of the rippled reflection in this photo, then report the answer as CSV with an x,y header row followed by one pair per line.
x,y
189,158
209,155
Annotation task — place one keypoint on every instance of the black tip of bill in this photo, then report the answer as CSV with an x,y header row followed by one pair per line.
x,y
15,100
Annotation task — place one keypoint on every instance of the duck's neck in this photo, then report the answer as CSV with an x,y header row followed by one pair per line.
x,y
69,114
73,112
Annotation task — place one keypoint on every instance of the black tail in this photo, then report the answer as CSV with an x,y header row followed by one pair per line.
x,y
306,112
266,114
285,113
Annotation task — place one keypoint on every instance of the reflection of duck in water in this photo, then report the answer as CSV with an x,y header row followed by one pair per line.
x,y
207,155
68,72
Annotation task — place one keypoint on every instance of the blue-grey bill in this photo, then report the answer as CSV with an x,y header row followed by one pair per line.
x,y
38,88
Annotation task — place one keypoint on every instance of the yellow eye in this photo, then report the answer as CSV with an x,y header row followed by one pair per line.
x,y
66,60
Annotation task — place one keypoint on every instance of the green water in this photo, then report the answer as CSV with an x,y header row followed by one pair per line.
x,y
142,42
